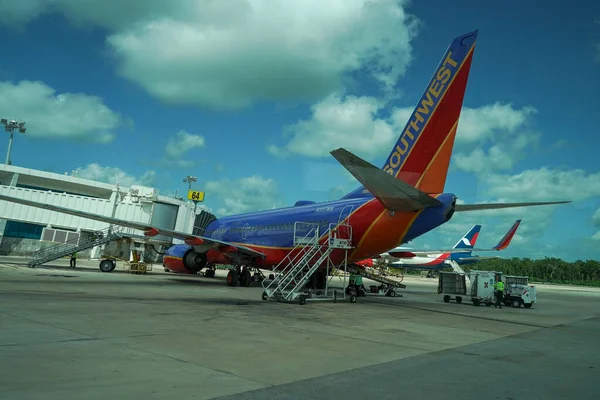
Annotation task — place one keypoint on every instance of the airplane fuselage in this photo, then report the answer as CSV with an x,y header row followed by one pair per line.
x,y
434,261
374,230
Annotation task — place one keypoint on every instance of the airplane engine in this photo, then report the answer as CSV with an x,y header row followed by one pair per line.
x,y
182,258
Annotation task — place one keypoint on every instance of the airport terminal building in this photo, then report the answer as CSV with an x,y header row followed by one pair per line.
x,y
24,229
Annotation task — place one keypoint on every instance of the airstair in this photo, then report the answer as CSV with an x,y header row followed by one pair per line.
x,y
59,250
456,267
307,256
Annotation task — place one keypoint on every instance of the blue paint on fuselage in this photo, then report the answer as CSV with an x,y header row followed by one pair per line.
x,y
275,228
177,250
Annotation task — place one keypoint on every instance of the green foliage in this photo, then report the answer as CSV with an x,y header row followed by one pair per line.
x,y
548,270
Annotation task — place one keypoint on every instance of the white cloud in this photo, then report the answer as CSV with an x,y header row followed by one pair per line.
x,y
482,123
360,125
58,116
230,55
350,122
506,129
544,184
114,175
252,193
178,145
182,142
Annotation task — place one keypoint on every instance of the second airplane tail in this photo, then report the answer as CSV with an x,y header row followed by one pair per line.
x,y
468,241
421,155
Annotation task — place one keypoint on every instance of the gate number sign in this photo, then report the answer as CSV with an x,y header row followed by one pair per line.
x,y
195,196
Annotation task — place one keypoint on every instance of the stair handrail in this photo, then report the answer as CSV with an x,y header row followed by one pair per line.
x,y
50,249
292,261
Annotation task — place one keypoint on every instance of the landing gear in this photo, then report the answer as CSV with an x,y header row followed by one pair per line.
x,y
243,276
232,277
209,273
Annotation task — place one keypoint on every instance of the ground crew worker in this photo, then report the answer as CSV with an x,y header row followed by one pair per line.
x,y
499,287
351,283
73,260
358,284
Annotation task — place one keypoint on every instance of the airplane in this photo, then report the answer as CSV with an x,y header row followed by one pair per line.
x,y
461,252
394,204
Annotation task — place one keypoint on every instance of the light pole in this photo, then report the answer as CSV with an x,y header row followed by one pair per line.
x,y
10,126
189,179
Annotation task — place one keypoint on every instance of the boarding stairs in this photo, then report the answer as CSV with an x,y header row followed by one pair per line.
x,y
303,261
455,267
59,250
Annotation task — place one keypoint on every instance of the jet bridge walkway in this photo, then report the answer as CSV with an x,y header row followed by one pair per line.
x,y
307,256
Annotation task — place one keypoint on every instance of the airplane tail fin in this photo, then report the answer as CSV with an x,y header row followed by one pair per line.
x,y
468,241
421,155
505,241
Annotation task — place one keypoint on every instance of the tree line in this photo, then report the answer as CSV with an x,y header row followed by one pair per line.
x,y
547,270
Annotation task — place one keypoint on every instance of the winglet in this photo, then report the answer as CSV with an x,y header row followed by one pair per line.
x,y
393,193
505,241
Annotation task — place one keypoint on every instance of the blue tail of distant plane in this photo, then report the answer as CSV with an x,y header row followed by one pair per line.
x,y
468,241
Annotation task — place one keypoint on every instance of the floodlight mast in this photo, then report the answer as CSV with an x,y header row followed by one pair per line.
x,y
10,126
189,179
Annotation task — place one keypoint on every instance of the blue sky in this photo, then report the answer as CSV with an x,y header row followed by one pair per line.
x,y
250,96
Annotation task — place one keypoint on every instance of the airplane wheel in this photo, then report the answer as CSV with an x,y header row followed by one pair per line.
x,y
232,278
245,278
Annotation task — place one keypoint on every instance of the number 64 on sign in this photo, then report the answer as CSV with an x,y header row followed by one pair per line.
x,y
195,196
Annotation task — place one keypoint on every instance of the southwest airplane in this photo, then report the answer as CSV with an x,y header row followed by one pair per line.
x,y
395,204
461,253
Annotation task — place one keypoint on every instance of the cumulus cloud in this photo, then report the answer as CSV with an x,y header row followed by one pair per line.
x,y
230,55
252,193
544,184
505,130
178,145
365,125
52,115
350,122
114,175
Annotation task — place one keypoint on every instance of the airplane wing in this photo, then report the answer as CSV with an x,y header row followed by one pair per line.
x,y
394,194
502,244
149,230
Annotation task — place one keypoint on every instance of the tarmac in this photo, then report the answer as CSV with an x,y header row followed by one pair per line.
x,y
80,333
